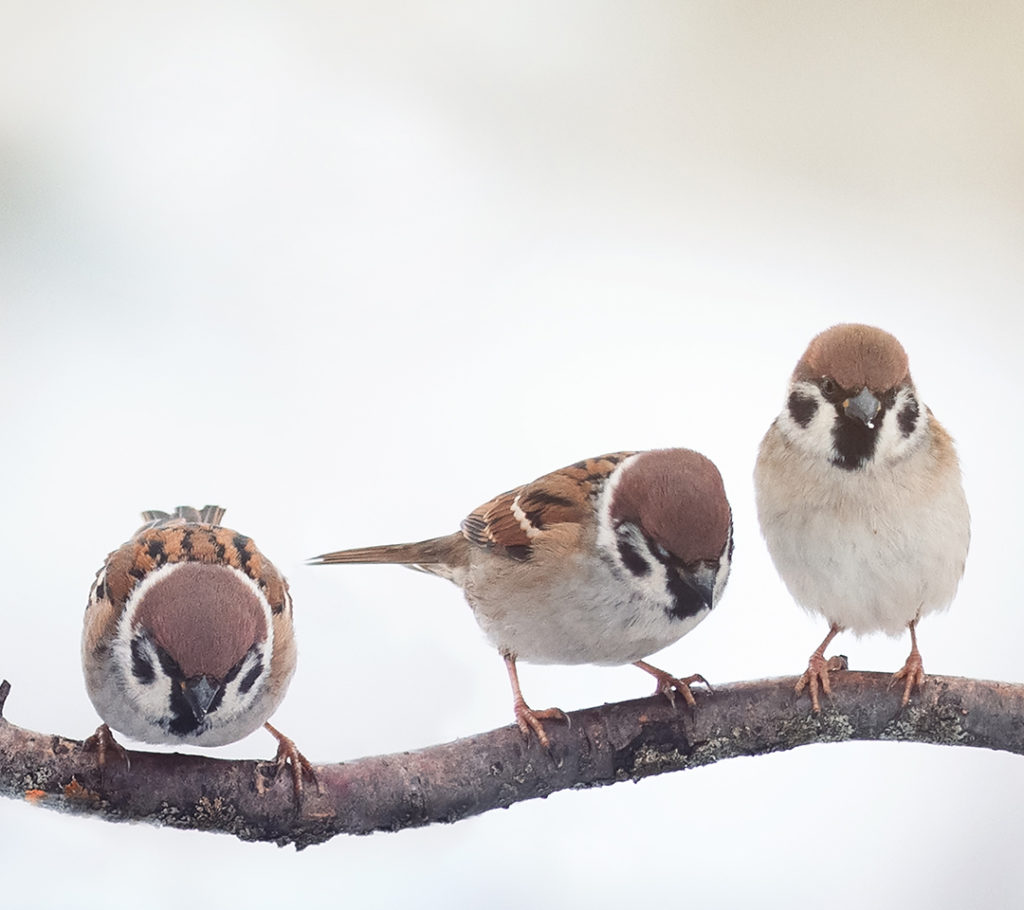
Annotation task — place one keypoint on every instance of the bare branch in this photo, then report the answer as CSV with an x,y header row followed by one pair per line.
x,y
445,783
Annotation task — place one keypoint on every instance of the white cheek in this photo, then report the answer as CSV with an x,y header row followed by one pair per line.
x,y
148,700
236,701
816,437
892,444
653,585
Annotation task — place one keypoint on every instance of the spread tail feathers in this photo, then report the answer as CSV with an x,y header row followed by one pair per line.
x,y
210,515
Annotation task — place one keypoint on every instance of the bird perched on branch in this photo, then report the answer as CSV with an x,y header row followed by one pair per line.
x,y
605,562
188,637
859,496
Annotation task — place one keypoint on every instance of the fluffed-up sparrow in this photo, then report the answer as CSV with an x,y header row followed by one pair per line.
x,y
859,496
605,561
188,637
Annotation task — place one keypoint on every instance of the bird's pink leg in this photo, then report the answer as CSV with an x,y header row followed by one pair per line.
x,y
817,671
288,754
668,684
526,717
913,669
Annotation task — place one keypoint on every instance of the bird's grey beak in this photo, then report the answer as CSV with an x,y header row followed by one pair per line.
x,y
863,407
200,693
702,580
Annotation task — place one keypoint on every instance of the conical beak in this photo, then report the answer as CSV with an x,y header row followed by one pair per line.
x,y
702,580
199,693
863,407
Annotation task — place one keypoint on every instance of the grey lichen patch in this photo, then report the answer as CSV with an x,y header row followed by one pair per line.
x,y
214,813
713,750
940,724
826,727
45,777
208,814
653,759
168,815
527,772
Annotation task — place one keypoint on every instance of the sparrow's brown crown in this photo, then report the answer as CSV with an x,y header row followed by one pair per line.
x,y
856,357
183,608
677,497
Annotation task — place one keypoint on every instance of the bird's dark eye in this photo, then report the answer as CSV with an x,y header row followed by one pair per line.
x,y
830,388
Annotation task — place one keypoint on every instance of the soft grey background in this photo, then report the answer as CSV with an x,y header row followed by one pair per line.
x,y
349,269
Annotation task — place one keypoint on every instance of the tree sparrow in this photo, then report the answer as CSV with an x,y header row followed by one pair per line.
x,y
859,496
605,561
188,637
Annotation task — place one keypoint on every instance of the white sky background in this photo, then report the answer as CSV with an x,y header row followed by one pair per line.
x,y
350,269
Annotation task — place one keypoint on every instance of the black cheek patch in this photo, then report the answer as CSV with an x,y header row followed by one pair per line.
x,y
249,680
907,417
142,669
802,409
632,559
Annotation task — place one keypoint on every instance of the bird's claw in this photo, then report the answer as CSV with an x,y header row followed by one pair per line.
x,y
913,674
288,755
669,685
529,721
817,674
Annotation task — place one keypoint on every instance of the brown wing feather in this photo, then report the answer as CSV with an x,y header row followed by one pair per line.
x,y
494,525
511,522
173,538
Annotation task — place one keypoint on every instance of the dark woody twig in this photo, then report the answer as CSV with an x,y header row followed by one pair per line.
x,y
449,782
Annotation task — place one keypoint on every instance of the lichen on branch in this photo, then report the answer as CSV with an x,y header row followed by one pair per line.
x,y
445,783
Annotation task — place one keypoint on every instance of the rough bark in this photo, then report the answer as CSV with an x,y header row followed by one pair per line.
x,y
446,783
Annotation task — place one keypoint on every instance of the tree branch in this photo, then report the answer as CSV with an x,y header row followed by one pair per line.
x,y
446,783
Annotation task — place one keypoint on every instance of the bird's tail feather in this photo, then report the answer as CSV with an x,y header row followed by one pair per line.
x,y
424,552
211,515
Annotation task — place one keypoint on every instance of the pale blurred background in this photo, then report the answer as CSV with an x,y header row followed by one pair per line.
x,y
349,269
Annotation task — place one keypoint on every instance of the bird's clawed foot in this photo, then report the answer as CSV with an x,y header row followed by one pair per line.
x,y
818,669
668,684
912,672
530,720
289,755
913,669
102,742
816,674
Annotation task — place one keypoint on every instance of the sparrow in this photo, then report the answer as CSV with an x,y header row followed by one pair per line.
x,y
605,561
859,497
188,638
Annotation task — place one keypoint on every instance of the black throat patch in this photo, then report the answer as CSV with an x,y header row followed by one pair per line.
x,y
637,557
854,442
687,603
